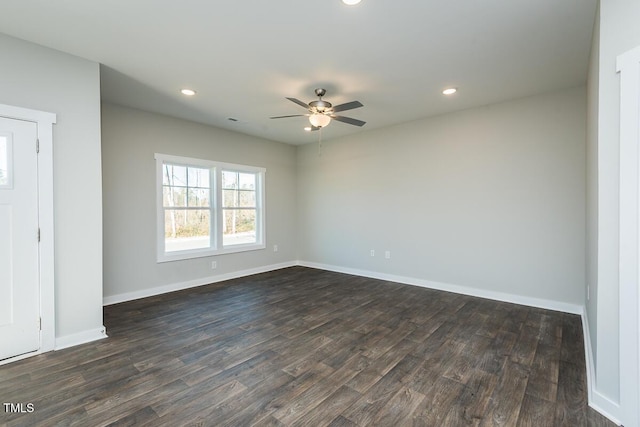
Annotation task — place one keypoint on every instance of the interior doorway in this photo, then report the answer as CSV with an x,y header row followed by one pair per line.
x,y
19,259
27,297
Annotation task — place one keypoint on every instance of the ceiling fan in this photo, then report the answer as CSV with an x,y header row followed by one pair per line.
x,y
321,112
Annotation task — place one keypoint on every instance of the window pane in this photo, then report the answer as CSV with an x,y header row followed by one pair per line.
x,y
198,197
239,226
229,198
229,179
247,181
174,175
186,229
198,177
4,160
238,199
247,199
174,197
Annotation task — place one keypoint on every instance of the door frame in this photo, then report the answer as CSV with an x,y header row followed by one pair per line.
x,y
44,123
628,65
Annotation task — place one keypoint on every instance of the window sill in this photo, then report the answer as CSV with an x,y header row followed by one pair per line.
x,y
192,254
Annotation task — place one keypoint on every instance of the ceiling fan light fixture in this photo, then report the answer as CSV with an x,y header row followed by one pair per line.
x,y
320,112
319,120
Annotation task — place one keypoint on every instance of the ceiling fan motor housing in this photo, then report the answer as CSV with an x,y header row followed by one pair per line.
x,y
320,106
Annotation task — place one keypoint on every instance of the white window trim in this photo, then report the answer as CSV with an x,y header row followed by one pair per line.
x,y
216,209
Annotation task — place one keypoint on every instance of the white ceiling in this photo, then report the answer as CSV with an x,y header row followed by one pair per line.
x,y
244,57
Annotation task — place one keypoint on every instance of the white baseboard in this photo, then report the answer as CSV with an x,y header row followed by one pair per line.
x,y
64,342
605,406
458,289
465,290
83,337
597,400
20,357
130,296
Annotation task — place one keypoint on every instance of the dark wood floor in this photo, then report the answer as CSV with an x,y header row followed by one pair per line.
x,y
312,348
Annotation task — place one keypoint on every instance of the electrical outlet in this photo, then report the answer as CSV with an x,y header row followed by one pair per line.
x,y
275,248
372,252
387,254
214,265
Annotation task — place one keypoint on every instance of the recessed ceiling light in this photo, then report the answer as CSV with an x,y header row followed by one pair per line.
x,y
188,92
308,128
449,91
350,2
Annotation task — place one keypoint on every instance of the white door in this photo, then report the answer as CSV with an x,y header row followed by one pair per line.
x,y
19,272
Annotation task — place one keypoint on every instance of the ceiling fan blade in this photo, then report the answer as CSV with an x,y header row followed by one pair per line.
x,y
348,120
284,117
300,103
347,106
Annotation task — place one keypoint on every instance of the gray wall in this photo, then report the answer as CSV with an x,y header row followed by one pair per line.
x,y
35,77
129,140
491,198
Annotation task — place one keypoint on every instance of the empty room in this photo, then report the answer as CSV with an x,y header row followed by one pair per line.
x,y
331,213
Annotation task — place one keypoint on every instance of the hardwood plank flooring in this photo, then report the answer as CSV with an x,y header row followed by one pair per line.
x,y
305,347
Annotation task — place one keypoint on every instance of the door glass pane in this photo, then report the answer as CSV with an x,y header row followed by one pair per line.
x,y
186,229
5,177
239,226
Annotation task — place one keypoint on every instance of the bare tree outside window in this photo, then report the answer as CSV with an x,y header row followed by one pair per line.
x,y
186,201
206,208
239,207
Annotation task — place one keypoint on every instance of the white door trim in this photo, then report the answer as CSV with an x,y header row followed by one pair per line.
x,y
628,65
44,122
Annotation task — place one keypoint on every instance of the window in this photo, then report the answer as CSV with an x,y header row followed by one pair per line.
x,y
239,209
186,198
207,208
